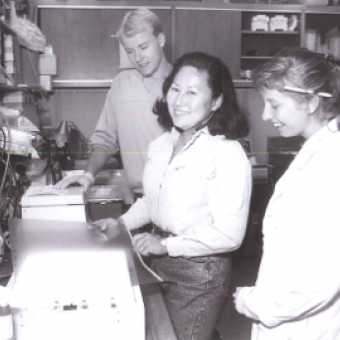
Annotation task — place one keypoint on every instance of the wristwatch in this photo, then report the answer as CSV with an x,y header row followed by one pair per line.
x,y
164,243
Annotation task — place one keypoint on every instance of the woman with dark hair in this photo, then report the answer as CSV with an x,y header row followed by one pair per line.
x,y
297,292
197,185
227,119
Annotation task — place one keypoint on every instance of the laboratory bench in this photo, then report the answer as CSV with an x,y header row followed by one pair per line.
x,y
158,324
28,235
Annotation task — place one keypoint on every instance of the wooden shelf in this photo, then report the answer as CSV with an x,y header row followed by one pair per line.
x,y
21,87
80,83
270,32
322,9
256,57
33,89
106,83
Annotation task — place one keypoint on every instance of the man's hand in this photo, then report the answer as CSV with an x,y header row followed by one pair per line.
x,y
85,180
147,244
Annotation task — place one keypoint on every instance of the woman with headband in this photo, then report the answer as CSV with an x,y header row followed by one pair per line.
x,y
297,292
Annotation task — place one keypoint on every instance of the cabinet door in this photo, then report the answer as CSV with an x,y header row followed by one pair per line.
x,y
217,32
259,45
82,39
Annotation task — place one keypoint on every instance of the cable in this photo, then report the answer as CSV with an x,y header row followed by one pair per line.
x,y
4,140
4,204
35,73
6,200
8,156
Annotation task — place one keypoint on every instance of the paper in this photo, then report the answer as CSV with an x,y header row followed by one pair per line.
x,y
43,190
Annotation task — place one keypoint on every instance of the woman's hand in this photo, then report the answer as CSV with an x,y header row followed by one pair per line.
x,y
238,301
147,244
109,226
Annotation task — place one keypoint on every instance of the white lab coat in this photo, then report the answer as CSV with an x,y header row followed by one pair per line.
x,y
297,293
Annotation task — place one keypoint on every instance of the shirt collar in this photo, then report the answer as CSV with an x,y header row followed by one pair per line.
x,y
311,145
202,132
205,131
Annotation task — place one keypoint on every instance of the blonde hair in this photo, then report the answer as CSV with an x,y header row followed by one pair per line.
x,y
137,20
305,69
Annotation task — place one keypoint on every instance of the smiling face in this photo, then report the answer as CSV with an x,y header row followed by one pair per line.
x,y
145,51
189,98
288,116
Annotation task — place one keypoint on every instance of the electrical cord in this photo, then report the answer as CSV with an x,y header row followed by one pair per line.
x,y
8,156
4,142
6,201
5,173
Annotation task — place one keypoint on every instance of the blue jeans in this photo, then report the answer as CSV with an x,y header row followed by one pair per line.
x,y
195,291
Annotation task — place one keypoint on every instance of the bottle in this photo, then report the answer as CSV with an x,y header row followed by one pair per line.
x,y
6,321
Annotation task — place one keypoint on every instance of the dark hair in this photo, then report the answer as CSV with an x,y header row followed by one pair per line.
x,y
302,68
228,120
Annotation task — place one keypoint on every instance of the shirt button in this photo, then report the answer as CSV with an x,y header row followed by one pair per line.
x,y
160,185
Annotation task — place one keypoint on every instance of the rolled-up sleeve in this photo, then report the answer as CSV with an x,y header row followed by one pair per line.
x,y
137,216
105,134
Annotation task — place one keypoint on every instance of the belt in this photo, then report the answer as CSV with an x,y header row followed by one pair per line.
x,y
165,234
161,233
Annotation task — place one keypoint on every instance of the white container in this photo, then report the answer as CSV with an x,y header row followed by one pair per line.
x,y
312,40
6,318
42,202
278,23
334,46
260,23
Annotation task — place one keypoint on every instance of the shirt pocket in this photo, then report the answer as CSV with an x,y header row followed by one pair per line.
x,y
196,171
190,270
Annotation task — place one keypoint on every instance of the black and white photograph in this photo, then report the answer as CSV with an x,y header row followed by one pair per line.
x,y
169,170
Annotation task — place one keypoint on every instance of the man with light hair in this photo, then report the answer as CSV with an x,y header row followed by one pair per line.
x,y
127,122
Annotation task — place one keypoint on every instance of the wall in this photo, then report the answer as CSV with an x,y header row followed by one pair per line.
x,y
79,43
260,130
81,106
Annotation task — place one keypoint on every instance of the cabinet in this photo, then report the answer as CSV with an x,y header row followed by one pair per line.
x,y
260,45
322,32
90,55
88,59
214,31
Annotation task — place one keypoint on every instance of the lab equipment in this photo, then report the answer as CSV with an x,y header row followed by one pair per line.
x,y
44,202
72,282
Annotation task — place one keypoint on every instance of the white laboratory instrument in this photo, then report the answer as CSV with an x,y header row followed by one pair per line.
x,y
72,283
43,202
